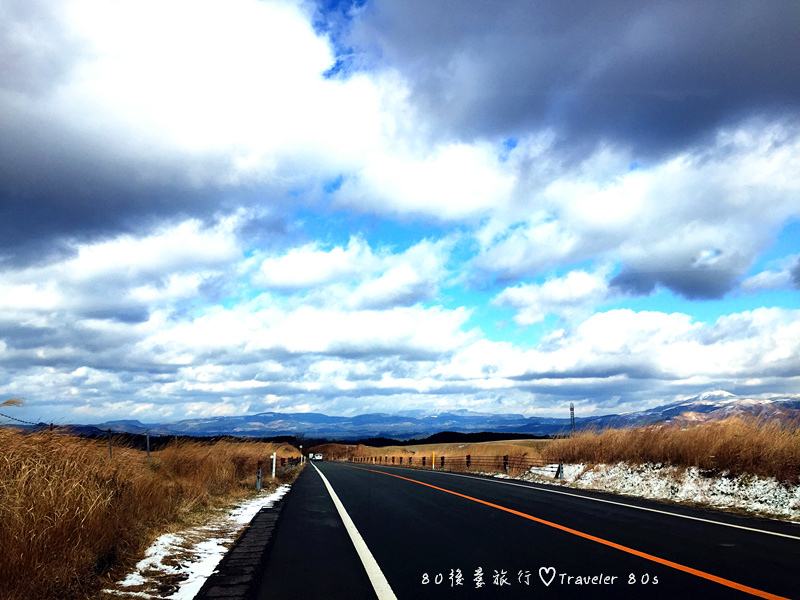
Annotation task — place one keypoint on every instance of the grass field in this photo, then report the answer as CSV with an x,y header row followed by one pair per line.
x,y
515,448
71,517
769,448
736,446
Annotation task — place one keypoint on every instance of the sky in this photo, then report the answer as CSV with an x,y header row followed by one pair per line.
x,y
222,208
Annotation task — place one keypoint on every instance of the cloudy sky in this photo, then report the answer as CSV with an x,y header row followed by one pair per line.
x,y
215,208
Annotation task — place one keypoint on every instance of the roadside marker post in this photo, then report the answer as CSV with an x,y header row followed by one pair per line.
x,y
258,477
274,456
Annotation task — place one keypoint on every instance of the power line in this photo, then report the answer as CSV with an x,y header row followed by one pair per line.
x,y
16,419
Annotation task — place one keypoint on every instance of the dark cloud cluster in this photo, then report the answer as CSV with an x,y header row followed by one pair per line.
x,y
75,166
654,74
795,272
57,185
691,283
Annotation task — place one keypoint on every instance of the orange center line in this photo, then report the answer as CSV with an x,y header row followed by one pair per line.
x,y
650,557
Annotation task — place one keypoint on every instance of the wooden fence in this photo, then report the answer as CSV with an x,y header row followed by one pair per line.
x,y
511,465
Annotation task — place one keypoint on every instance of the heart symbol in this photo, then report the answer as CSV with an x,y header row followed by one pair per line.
x,y
551,571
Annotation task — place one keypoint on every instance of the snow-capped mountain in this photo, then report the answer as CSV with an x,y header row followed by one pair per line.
x,y
708,406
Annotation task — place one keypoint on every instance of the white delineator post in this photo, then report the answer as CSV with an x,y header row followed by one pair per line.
x,y
274,457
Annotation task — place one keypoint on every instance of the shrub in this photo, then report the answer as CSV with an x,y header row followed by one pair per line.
x,y
70,514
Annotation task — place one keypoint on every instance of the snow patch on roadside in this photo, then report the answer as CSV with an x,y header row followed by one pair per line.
x,y
177,564
757,495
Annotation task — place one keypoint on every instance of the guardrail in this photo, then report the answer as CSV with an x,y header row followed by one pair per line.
x,y
283,463
476,464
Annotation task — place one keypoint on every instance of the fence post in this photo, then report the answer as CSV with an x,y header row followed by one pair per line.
x,y
469,461
505,463
560,470
110,450
258,477
442,461
147,435
423,461
410,460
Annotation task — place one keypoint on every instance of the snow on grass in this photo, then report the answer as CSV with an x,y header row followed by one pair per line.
x,y
177,564
748,493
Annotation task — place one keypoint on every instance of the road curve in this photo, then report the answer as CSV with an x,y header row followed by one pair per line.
x,y
445,535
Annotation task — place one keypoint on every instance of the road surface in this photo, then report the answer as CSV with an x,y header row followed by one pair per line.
x,y
430,534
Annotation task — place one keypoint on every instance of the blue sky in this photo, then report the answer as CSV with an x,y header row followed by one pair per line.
x,y
359,207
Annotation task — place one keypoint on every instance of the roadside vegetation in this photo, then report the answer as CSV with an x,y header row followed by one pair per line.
x,y
768,448
516,448
486,456
71,516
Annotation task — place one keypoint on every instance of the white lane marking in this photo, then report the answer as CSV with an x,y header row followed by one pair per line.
x,y
376,576
655,510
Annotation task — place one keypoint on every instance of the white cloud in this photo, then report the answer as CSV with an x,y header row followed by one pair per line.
x,y
356,276
575,294
311,266
449,182
540,244
694,222
170,263
218,84
185,245
656,350
412,332
346,362
409,277
768,280
200,93
672,347
781,277
398,285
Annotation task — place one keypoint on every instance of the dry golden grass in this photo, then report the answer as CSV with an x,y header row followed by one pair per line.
x,y
756,447
70,515
738,446
486,456
513,448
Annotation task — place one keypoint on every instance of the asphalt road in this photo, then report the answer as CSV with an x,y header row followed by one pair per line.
x,y
442,535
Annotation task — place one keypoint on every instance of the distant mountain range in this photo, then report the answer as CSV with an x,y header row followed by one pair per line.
x,y
405,425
